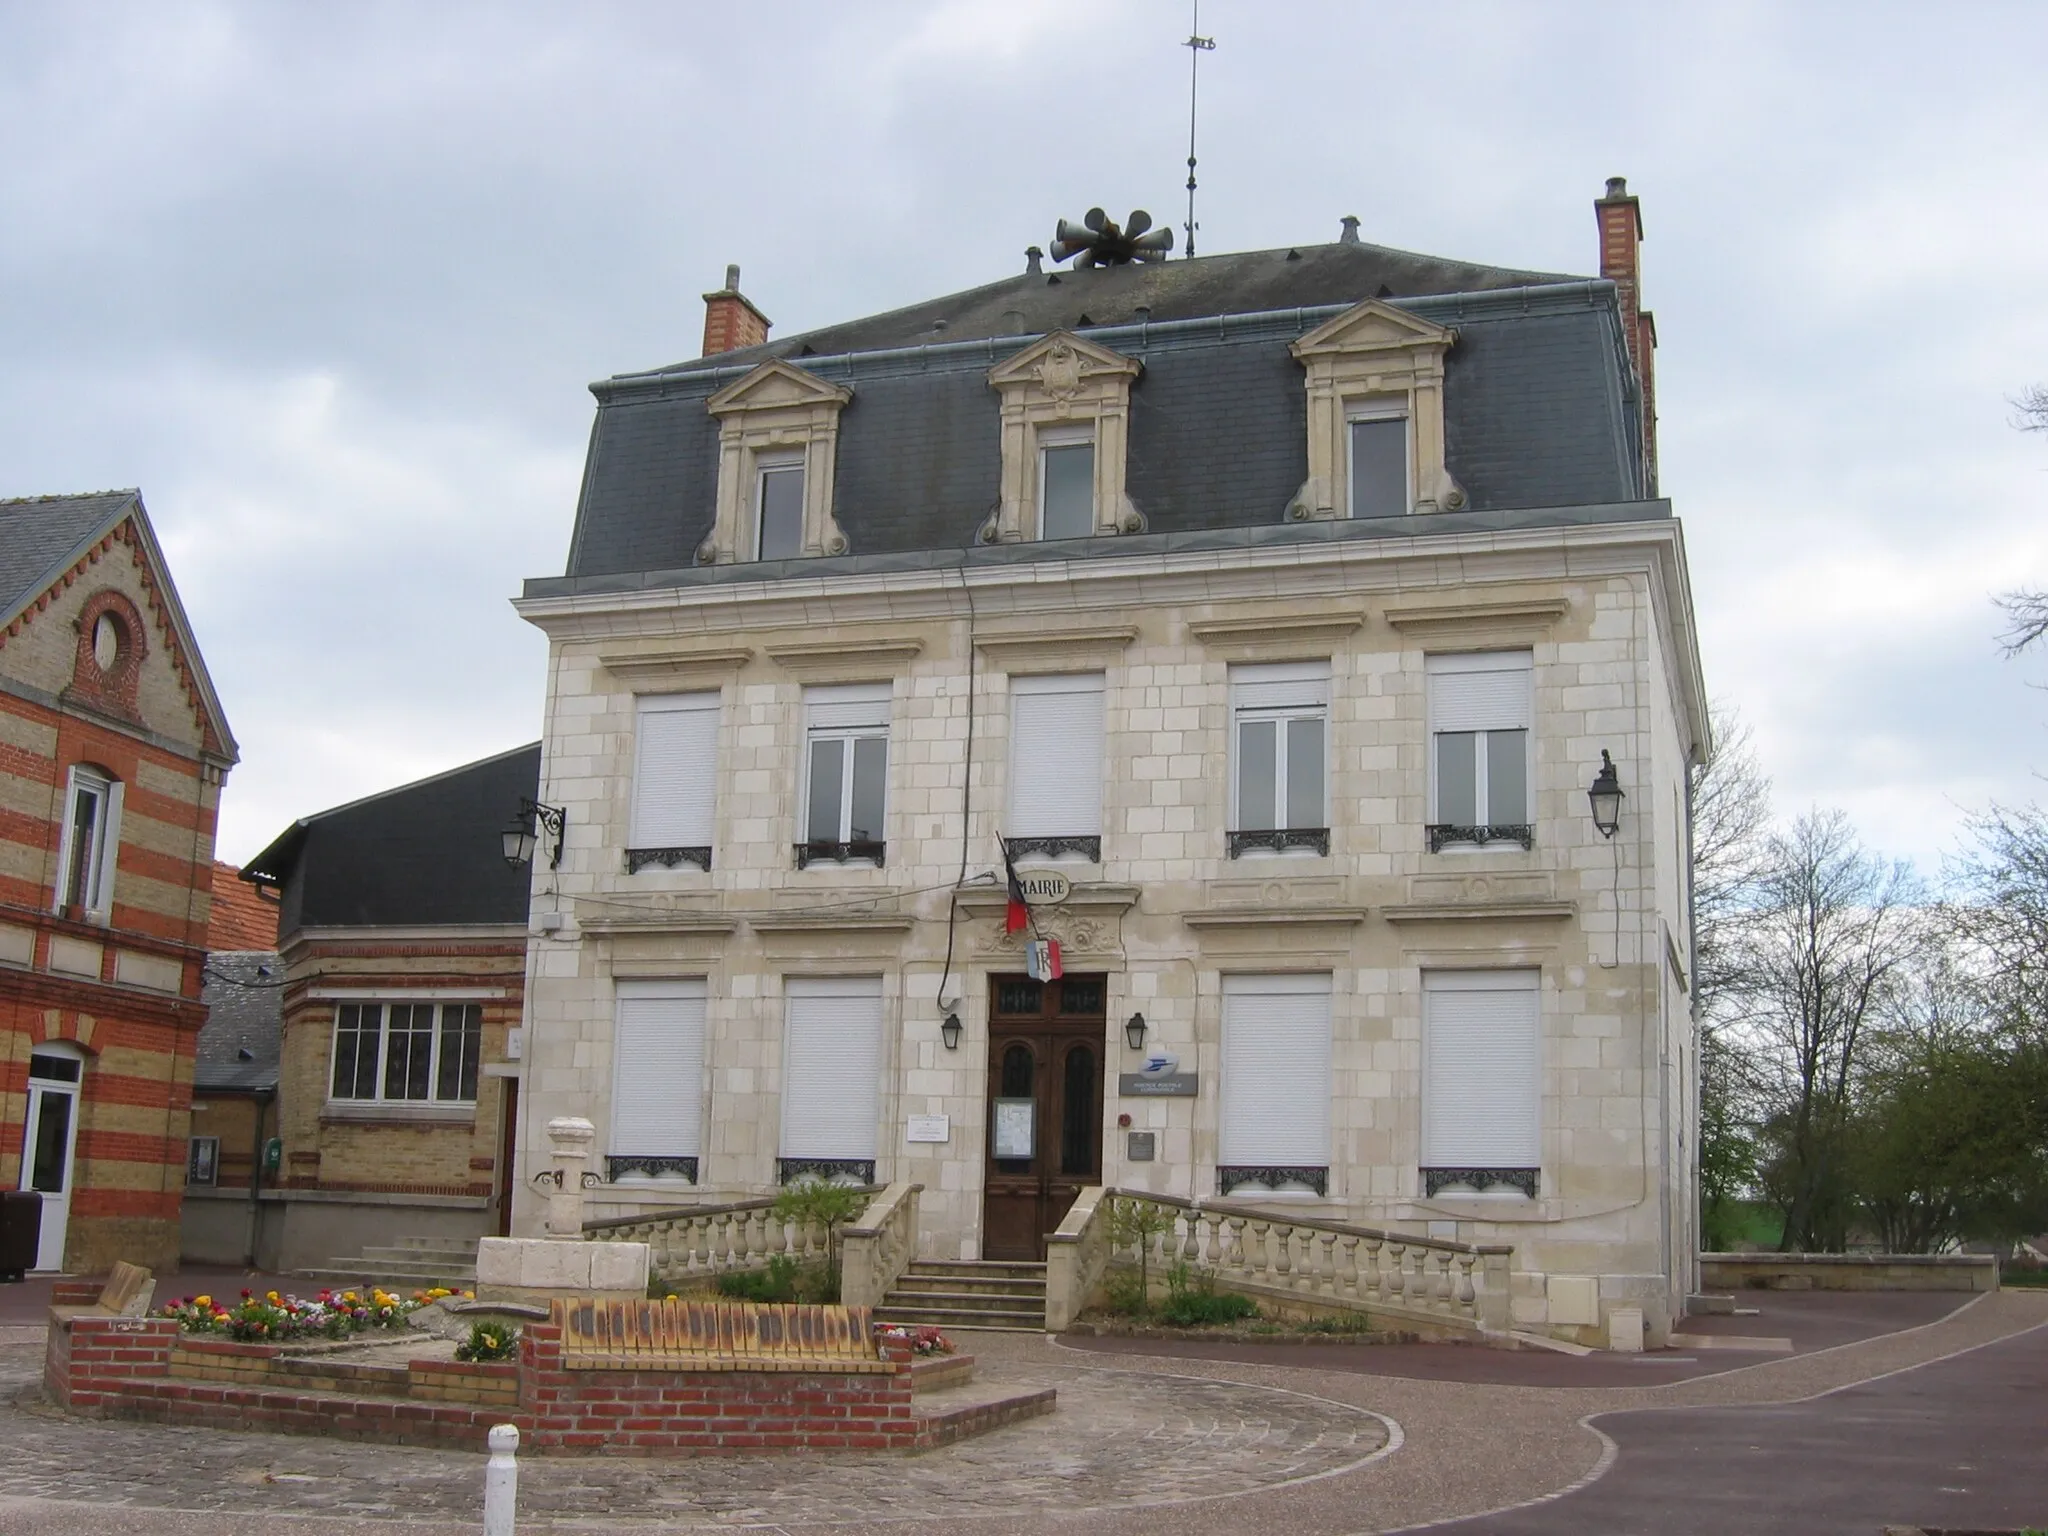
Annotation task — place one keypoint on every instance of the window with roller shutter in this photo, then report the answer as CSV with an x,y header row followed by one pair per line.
x,y
1274,1127
831,1078
675,781
1480,708
657,1081
1056,766
1482,1080
1278,758
845,790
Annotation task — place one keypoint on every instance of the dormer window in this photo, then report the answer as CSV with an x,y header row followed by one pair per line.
x,y
1065,423
1066,483
779,507
1380,486
778,441
1375,380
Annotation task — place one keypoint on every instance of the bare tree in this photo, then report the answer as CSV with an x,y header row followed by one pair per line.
x,y
1731,824
1813,964
2026,609
2031,409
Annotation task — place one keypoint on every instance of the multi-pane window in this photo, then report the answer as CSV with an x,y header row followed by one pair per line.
x,y
846,771
779,508
1279,734
1273,1128
657,1080
831,1077
91,836
675,775
1379,465
1482,1086
1056,765
407,1053
1066,486
1479,714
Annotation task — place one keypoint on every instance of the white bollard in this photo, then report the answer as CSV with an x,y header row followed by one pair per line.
x,y
501,1482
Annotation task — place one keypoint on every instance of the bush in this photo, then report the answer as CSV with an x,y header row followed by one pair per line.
x,y
782,1280
487,1341
1192,1300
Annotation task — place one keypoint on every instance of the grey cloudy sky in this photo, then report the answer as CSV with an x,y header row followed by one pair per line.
x,y
327,283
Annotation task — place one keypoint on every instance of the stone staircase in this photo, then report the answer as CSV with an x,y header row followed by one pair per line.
x,y
407,1265
958,1295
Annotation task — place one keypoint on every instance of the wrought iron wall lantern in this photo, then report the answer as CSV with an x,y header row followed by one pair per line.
x,y
1606,795
950,1031
521,838
1134,1031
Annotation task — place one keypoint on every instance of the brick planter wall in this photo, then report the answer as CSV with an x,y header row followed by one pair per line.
x,y
89,1358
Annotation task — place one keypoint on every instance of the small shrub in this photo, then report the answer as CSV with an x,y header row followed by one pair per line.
x,y
1124,1293
1354,1322
777,1282
1192,1300
487,1341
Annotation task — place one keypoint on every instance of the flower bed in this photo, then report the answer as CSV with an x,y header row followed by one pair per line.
x,y
923,1341
273,1318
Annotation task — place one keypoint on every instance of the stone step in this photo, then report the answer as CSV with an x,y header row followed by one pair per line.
x,y
466,1246
1019,1269
964,1301
927,1285
402,1278
457,1258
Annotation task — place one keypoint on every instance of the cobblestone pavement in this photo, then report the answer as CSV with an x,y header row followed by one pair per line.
x,y
1119,1439
1127,1434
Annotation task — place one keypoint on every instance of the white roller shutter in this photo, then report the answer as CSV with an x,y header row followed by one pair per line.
x,y
1276,1072
1056,762
1282,685
851,706
832,1066
675,771
1482,1070
658,1069
1484,692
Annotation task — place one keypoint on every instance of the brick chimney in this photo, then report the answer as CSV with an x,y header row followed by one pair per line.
x,y
730,321
1621,238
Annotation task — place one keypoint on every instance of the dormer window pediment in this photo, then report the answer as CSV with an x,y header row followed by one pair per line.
x,y
1066,406
1375,382
778,441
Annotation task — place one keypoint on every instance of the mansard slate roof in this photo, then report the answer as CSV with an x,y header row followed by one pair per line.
x,y
239,1043
426,854
1540,413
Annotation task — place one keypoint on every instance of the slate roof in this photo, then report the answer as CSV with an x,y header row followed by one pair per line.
x,y
41,535
1540,409
240,1042
426,854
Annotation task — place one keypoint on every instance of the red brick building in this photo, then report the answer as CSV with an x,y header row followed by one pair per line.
x,y
113,750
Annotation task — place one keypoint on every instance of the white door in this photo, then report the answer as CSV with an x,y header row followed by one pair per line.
x,y
52,1134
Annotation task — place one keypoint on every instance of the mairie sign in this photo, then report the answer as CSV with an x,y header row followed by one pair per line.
x,y
1044,887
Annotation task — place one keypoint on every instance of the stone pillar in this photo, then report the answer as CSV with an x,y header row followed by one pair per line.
x,y
569,1141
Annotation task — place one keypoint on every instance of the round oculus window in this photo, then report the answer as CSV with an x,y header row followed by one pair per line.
x,y
106,642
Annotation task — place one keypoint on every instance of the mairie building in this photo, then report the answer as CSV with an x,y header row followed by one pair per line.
x,y
1278,613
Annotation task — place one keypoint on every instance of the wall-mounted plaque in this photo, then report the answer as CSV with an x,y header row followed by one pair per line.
x,y
931,1128
1044,887
1138,1145
1164,1085
1013,1127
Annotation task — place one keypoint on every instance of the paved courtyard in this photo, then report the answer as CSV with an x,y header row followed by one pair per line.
x,y
1938,1419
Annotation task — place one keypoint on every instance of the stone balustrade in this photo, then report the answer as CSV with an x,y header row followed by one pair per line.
x,y
696,1241
877,1248
1302,1259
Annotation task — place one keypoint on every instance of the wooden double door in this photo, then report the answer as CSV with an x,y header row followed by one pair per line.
x,y
1046,1061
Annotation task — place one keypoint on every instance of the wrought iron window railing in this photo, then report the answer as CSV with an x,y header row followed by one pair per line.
x,y
1231,1179
1435,1180
1442,836
789,1169
869,849
1279,840
1089,848
638,859
652,1167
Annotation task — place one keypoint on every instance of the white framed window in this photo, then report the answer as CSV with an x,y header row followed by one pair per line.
x,y
778,506
406,1053
831,1077
657,1080
1066,482
1279,751
1378,455
1056,764
1482,1078
846,771
1480,706
675,780
90,844
1273,1131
